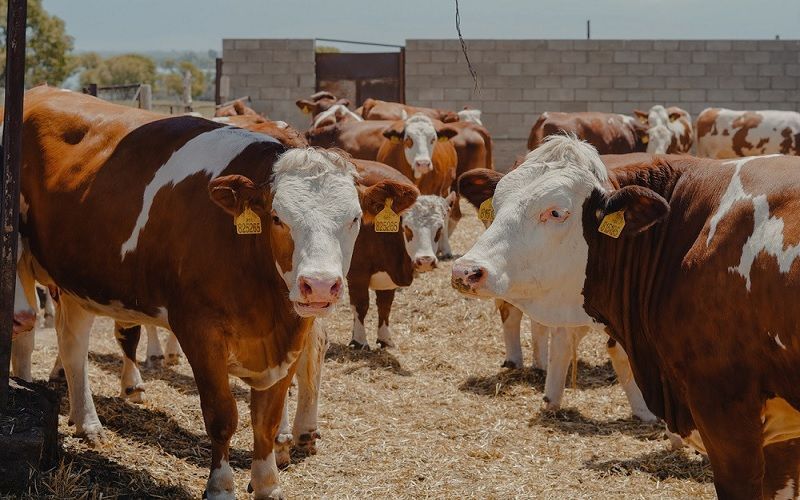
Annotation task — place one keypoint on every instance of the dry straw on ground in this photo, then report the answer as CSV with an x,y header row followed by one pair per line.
x,y
434,417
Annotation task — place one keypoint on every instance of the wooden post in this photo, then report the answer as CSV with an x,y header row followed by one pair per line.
x,y
12,156
146,96
218,82
187,91
93,89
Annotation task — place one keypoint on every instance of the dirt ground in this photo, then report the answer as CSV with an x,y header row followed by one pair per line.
x,y
434,417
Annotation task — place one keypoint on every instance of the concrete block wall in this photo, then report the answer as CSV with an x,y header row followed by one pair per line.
x,y
273,72
519,79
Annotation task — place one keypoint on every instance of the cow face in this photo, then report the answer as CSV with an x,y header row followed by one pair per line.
x,y
313,219
668,130
320,102
418,135
535,253
24,309
424,225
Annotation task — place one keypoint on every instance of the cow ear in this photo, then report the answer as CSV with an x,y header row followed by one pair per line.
x,y
449,117
674,116
640,207
233,192
395,132
305,105
452,200
344,102
373,198
641,116
446,133
477,185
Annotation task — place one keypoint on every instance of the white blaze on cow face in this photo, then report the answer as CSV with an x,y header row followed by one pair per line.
x,y
316,204
419,140
534,254
424,225
471,116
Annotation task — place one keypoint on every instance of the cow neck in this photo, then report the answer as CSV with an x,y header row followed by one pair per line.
x,y
623,279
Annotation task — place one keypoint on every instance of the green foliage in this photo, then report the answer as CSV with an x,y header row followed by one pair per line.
x,y
325,49
48,46
117,70
172,79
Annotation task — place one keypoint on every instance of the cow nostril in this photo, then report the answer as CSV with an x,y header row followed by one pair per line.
x,y
336,287
305,288
475,275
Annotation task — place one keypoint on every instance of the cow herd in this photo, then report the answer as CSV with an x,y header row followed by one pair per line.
x,y
238,233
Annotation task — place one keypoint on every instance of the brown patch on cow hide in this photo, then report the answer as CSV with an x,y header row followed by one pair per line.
x,y
706,123
787,142
743,124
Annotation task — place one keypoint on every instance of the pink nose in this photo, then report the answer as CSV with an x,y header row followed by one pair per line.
x,y
319,289
468,278
24,321
424,165
425,263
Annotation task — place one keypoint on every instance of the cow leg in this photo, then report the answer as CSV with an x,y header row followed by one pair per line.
x,y
49,306
512,319
540,341
131,379
73,325
730,427
21,352
563,341
57,372
208,361
283,441
174,351
155,356
622,366
266,408
309,376
384,299
359,303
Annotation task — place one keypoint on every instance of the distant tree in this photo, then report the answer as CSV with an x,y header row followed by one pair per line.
x,y
117,70
47,48
172,79
325,49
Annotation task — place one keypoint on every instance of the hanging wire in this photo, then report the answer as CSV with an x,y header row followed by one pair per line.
x,y
464,47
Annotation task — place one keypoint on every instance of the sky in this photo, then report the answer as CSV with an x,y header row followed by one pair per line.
x,y
145,25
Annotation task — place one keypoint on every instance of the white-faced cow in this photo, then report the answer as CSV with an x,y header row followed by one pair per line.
x,y
690,264
552,347
725,133
214,232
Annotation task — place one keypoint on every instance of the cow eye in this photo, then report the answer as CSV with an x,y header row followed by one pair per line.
x,y
354,222
276,220
554,214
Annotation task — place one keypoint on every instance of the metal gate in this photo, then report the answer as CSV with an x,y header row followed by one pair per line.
x,y
358,76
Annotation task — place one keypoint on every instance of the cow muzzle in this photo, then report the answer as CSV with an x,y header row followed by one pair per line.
x,y
422,167
425,263
469,278
24,322
318,295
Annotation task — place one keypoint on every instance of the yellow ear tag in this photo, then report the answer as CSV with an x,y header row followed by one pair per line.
x,y
306,110
645,139
613,223
486,211
394,140
387,221
441,139
247,222
673,118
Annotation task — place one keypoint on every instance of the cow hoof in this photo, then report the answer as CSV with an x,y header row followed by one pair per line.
x,y
218,495
306,444
275,493
92,434
283,450
134,394
358,346
384,344
173,359
551,405
509,364
154,362
645,416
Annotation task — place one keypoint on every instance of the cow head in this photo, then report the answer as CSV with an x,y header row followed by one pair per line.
x,y
418,135
24,308
471,116
535,253
319,102
313,212
425,223
667,130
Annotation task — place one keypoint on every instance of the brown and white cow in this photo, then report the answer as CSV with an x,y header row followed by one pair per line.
x,y
375,109
633,249
134,219
280,130
384,262
362,140
612,133
320,102
725,133
552,347
236,108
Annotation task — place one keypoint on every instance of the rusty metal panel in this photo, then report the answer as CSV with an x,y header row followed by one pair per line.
x,y
358,76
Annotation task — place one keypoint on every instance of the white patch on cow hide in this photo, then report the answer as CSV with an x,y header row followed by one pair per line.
x,y
209,153
787,492
777,339
263,380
